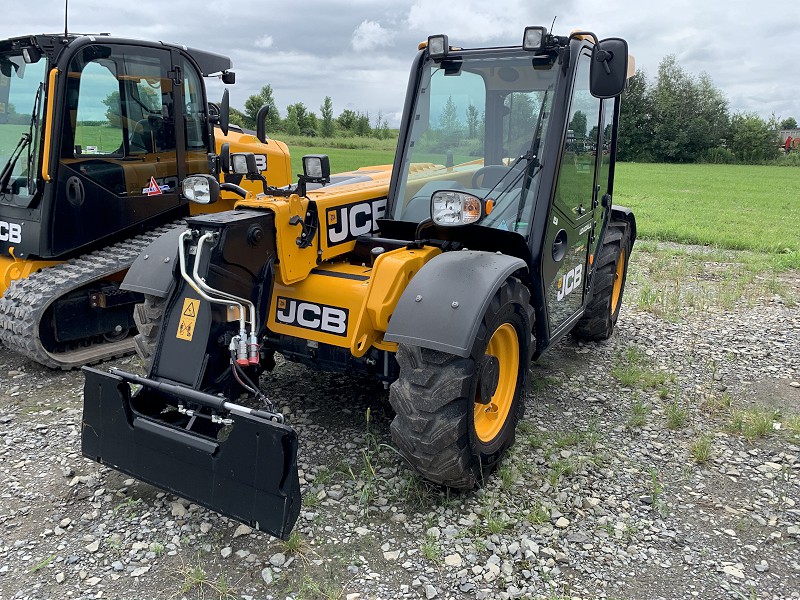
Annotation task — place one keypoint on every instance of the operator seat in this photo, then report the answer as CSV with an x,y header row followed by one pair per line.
x,y
143,137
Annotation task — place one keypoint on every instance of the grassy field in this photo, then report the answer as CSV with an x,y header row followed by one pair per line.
x,y
738,207
742,207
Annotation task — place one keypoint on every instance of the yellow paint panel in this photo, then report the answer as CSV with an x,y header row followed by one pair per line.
x,y
191,308
48,124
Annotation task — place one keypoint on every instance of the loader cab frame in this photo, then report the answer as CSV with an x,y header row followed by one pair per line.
x,y
121,123
524,132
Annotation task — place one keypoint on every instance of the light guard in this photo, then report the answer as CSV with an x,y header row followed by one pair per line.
x,y
451,208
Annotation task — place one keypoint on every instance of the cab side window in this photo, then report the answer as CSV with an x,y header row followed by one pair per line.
x,y
119,131
577,175
99,125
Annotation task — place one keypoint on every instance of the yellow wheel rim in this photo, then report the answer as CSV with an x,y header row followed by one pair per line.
x,y
619,277
489,418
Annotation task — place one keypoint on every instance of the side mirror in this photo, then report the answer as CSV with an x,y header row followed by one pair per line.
x,y
224,113
202,189
609,68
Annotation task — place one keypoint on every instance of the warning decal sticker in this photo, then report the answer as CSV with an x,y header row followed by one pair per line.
x,y
188,319
154,189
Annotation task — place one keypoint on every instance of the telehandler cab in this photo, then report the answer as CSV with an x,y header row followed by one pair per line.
x,y
495,236
96,133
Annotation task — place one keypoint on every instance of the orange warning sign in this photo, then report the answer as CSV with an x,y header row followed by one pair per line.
x,y
189,313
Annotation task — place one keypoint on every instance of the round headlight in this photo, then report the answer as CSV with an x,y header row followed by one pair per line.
x,y
452,208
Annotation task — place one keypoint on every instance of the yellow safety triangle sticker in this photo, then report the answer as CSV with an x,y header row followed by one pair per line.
x,y
189,314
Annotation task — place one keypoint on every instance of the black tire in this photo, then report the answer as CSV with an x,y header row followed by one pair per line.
x,y
435,397
602,311
148,317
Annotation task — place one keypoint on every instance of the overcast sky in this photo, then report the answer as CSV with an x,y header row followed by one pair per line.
x,y
359,52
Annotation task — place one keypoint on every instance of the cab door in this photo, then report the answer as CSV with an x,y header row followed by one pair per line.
x,y
120,161
571,220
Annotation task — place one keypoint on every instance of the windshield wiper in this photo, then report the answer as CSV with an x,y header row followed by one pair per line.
x,y
33,133
5,177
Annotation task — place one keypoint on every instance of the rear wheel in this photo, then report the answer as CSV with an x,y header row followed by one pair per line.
x,y
611,270
457,416
148,317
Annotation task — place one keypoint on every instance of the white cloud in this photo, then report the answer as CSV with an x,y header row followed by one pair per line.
x,y
370,35
471,21
265,41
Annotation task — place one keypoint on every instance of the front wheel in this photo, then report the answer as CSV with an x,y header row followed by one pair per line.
x,y
148,317
456,417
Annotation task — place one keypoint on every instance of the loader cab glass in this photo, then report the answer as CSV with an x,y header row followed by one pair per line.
x,y
478,127
121,107
22,95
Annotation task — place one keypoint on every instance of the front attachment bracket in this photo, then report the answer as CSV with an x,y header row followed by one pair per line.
x,y
249,473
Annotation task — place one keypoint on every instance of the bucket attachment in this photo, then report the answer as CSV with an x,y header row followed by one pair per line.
x,y
241,465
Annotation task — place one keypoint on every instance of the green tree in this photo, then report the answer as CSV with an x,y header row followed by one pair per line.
x,y
255,102
326,110
347,120
789,123
578,125
381,128
690,116
449,122
292,124
473,118
362,127
237,117
751,139
113,106
635,135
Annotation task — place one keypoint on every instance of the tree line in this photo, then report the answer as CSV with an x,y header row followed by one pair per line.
x,y
300,120
682,118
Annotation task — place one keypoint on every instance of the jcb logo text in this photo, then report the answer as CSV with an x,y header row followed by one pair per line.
x,y
309,315
10,232
569,282
347,222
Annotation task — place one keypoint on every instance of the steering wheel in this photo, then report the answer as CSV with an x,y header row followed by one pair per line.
x,y
494,172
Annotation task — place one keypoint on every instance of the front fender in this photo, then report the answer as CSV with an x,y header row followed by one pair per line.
x,y
153,271
442,306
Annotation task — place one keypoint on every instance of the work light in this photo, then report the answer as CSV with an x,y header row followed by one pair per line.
x,y
317,168
244,163
437,46
533,39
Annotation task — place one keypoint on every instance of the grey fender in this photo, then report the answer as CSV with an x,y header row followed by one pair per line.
x,y
152,272
442,306
623,213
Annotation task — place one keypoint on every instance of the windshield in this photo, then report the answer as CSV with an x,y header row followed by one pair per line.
x,y
21,100
478,127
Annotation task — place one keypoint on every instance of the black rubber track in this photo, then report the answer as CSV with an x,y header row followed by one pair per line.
x,y
598,320
434,400
24,303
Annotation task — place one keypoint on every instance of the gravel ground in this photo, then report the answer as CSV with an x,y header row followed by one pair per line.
x,y
664,463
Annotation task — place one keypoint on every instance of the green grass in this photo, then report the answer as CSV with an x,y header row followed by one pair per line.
x,y
346,154
701,449
741,207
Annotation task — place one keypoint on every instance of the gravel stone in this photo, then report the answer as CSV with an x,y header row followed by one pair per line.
x,y
600,505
